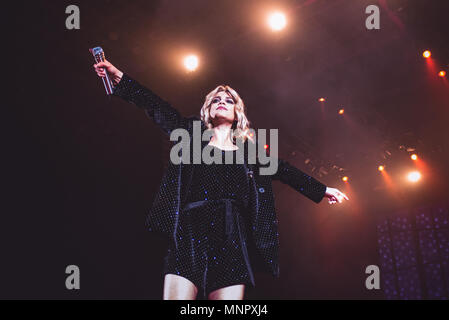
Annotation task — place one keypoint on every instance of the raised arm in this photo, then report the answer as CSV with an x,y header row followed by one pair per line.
x,y
162,113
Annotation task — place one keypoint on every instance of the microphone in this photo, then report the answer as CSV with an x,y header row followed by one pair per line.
x,y
98,54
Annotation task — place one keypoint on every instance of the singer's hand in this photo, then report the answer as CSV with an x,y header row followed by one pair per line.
x,y
335,195
115,74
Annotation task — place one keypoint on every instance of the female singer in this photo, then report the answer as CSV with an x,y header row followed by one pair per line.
x,y
219,218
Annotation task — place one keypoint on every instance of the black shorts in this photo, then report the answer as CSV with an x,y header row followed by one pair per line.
x,y
211,246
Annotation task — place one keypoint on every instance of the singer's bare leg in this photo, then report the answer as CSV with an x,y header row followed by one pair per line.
x,y
178,288
236,292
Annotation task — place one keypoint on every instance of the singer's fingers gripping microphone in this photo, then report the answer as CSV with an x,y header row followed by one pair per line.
x,y
98,54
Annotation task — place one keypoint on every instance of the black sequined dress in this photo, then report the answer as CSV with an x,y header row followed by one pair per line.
x,y
213,228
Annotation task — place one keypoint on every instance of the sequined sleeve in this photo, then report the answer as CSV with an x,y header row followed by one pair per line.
x,y
300,181
162,113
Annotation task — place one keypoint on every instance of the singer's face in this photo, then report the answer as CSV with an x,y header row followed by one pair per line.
x,y
222,107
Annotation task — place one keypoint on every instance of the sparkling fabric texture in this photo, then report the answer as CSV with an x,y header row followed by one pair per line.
x,y
179,188
211,249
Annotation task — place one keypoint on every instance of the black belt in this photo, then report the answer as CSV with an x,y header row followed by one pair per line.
x,y
229,221
228,203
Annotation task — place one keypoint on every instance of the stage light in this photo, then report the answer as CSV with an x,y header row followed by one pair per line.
x,y
277,21
321,99
345,179
414,157
442,74
414,176
191,62
381,168
265,146
426,54
341,111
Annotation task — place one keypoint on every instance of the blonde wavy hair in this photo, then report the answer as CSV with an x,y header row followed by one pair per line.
x,y
240,125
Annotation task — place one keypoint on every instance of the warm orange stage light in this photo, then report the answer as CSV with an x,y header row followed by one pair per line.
x,y
427,54
414,176
414,157
341,111
345,179
322,100
191,62
277,21
381,168
442,74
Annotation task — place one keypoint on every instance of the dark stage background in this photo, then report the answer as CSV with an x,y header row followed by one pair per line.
x,y
81,170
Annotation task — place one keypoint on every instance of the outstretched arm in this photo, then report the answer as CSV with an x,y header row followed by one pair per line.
x,y
300,181
305,184
162,113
